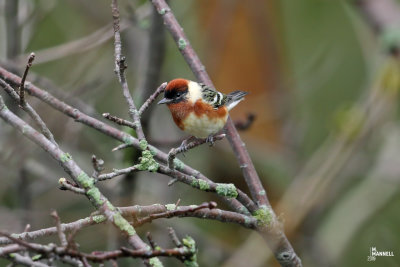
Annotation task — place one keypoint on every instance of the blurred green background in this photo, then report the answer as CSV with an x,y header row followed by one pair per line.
x,y
325,141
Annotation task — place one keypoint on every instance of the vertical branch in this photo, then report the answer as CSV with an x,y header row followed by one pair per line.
x,y
120,67
22,85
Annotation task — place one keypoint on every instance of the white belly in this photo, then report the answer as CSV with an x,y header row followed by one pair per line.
x,y
202,126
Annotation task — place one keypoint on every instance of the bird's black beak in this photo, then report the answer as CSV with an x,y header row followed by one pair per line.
x,y
165,101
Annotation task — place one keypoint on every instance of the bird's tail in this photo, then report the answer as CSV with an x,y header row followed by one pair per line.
x,y
234,98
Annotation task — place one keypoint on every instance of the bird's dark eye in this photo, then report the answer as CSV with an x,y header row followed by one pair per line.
x,y
178,94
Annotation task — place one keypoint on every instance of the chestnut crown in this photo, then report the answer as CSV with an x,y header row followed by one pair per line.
x,y
175,91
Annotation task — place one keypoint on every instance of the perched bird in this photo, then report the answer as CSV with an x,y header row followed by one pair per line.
x,y
197,108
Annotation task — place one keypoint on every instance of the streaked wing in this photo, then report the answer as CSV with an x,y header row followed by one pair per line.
x,y
213,97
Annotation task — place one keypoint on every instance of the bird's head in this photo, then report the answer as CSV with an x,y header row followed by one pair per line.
x,y
175,92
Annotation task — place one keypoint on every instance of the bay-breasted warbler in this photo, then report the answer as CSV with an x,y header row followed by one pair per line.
x,y
197,108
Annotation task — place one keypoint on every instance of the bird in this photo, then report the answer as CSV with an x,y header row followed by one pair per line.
x,y
198,109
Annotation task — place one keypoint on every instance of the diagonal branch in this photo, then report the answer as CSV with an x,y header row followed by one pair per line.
x,y
77,174
29,110
251,177
278,242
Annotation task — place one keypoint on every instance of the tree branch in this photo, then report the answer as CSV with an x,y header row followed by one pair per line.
x,y
120,71
76,173
108,130
250,175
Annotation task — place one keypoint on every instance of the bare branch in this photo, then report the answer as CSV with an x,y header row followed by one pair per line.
x,y
29,110
66,185
116,172
61,234
22,85
80,177
174,237
185,147
98,166
119,121
175,212
245,124
120,147
120,70
151,99
143,211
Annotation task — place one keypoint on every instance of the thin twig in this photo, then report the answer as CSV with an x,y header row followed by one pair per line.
x,y
151,99
27,261
61,234
29,110
152,243
174,237
120,67
64,184
98,166
120,147
175,212
119,121
185,147
115,173
245,124
22,85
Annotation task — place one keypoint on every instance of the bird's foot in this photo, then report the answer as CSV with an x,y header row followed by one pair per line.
x,y
184,145
210,140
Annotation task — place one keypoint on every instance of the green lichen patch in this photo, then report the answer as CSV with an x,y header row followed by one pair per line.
x,y
155,262
123,225
170,207
98,218
127,139
110,206
182,43
190,245
263,216
178,164
85,181
147,162
65,157
152,150
203,185
262,193
143,144
226,190
162,11
37,257
95,194
247,221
